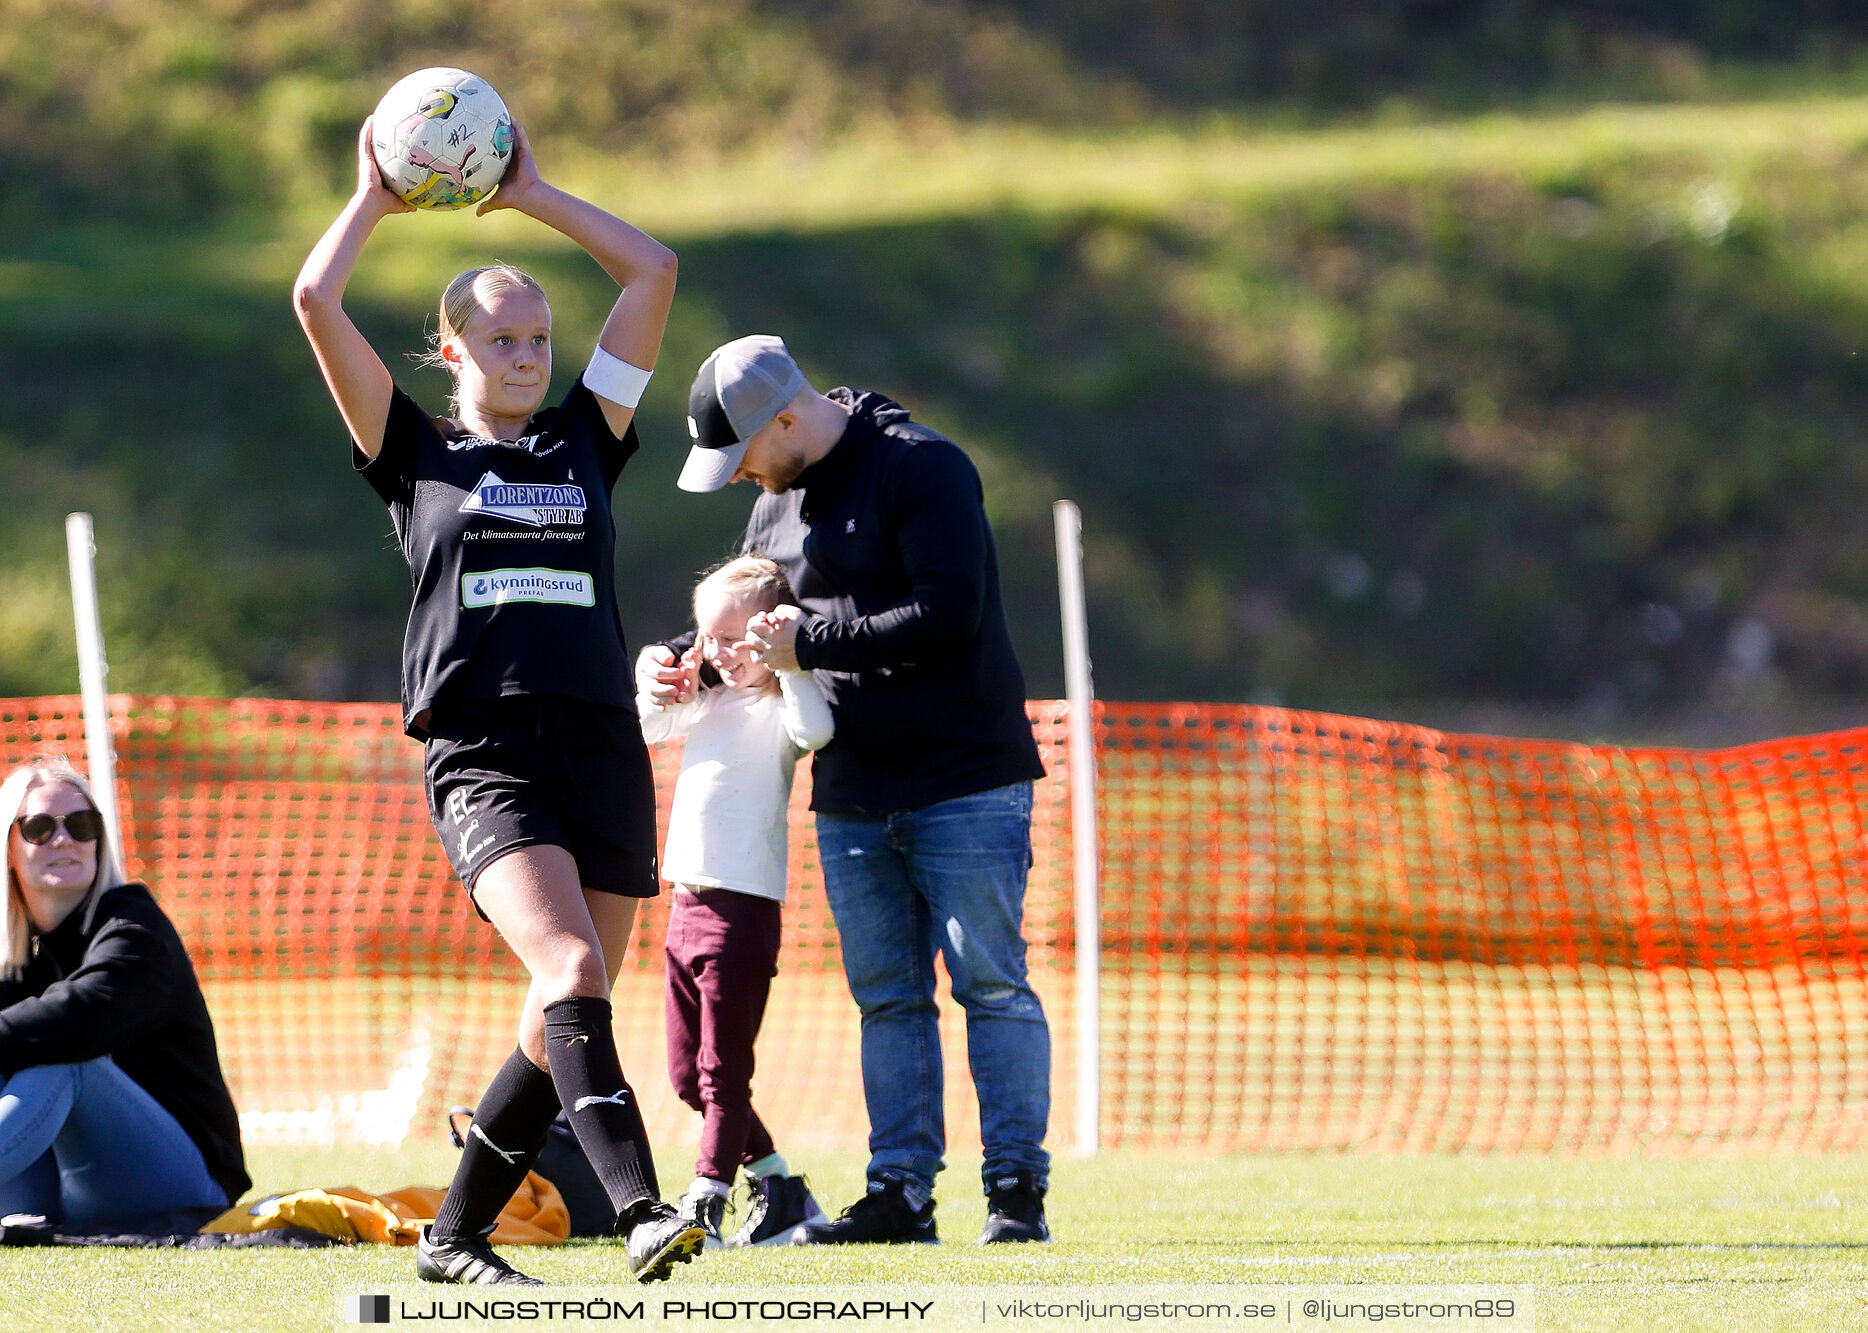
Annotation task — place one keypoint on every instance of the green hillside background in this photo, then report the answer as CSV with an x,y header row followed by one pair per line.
x,y
1395,353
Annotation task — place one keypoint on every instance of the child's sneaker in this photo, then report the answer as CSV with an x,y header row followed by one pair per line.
x,y
705,1208
776,1207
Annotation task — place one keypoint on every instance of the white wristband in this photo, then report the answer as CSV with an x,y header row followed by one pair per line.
x,y
615,379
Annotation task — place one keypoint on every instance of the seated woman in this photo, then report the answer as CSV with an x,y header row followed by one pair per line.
x,y
112,1105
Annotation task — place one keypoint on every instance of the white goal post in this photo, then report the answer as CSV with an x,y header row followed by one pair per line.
x,y
1080,695
101,757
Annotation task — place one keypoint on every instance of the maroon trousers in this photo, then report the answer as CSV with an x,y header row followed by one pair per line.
x,y
722,952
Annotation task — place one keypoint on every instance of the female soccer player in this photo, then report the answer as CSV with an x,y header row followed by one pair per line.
x,y
515,675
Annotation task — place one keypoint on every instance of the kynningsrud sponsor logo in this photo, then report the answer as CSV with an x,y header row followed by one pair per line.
x,y
533,504
496,587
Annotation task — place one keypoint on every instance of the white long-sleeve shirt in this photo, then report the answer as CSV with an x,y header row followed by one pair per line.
x,y
726,827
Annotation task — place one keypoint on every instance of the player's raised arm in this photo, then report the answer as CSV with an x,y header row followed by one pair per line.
x,y
354,373
641,265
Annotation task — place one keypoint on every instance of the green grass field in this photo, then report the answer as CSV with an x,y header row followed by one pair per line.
x,y
1609,1245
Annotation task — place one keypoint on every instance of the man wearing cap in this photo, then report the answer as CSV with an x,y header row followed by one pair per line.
x,y
923,799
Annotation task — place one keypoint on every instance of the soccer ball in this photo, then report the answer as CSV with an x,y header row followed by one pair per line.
x,y
442,138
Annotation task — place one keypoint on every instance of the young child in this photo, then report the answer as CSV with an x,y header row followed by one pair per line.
x,y
726,856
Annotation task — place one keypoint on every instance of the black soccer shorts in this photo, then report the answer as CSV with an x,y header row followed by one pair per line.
x,y
531,770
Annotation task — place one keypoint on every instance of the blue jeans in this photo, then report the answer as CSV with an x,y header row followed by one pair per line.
x,y
949,876
84,1145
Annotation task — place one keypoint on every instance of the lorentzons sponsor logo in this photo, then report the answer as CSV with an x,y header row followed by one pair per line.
x,y
496,587
536,506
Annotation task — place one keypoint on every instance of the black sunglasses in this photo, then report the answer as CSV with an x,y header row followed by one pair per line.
x,y
82,825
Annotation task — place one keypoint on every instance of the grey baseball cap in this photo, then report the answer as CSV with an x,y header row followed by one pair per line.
x,y
739,389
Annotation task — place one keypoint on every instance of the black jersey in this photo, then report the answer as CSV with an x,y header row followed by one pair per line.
x,y
511,548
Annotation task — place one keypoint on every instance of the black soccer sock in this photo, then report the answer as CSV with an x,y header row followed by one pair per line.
x,y
507,1134
599,1101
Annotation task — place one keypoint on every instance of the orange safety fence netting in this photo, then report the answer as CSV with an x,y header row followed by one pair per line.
x,y
1318,932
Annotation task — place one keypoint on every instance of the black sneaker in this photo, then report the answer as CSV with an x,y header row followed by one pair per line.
x,y
468,1260
708,1211
776,1207
1014,1209
660,1239
883,1216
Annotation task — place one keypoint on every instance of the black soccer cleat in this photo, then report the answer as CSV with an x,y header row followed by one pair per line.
x,y
469,1260
776,1207
883,1216
1014,1209
659,1239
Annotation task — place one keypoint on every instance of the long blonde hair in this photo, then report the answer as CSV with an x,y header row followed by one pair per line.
x,y
16,939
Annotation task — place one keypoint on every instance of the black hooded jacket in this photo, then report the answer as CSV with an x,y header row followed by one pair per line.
x,y
886,543
123,987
